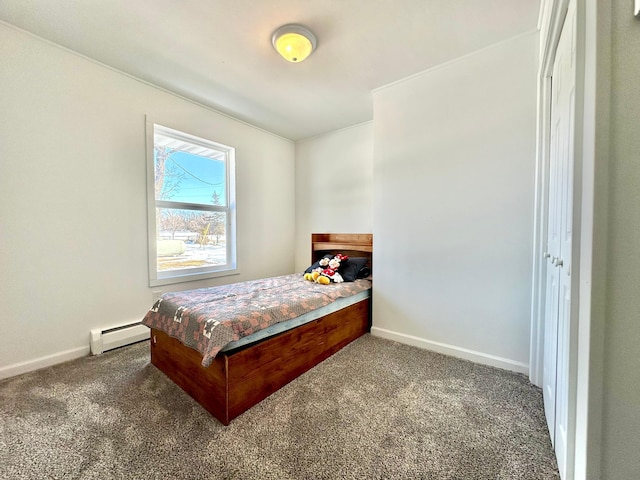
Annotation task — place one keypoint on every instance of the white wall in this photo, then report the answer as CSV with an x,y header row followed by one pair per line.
x,y
454,153
334,186
73,241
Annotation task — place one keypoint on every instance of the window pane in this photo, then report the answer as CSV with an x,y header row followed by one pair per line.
x,y
191,201
189,178
190,239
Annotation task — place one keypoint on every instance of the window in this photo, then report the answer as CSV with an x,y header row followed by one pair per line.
x,y
191,191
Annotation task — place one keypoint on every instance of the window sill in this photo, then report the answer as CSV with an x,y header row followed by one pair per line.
x,y
192,277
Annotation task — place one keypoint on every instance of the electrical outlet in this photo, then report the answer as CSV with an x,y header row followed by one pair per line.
x,y
156,295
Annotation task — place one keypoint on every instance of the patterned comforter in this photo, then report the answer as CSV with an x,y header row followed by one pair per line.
x,y
207,319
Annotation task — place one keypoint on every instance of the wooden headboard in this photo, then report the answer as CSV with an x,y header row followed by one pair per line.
x,y
352,244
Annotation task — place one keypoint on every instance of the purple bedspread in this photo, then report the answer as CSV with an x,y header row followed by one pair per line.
x,y
207,319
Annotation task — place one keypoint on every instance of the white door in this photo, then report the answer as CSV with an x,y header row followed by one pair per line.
x,y
559,242
552,284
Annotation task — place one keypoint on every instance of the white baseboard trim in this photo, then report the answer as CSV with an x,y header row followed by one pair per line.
x,y
43,362
452,350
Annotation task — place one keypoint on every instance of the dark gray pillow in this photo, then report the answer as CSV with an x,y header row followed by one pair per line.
x,y
350,270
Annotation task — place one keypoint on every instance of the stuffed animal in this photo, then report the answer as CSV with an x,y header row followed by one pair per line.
x,y
327,272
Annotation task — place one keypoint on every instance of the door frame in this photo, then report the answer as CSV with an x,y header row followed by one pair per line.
x,y
589,225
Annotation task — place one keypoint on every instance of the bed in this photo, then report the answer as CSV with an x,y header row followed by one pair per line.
x,y
228,378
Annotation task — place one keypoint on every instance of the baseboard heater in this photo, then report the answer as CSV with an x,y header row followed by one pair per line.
x,y
110,338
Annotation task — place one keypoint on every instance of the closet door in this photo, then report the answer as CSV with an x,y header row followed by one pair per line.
x,y
553,274
559,242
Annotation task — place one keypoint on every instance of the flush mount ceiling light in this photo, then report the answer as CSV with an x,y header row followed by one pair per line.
x,y
293,42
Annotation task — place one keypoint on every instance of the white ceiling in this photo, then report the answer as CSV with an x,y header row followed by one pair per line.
x,y
219,53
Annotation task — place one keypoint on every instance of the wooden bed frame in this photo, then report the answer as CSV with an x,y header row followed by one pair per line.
x,y
239,379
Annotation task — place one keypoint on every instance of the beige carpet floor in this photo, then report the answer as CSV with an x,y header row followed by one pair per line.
x,y
375,410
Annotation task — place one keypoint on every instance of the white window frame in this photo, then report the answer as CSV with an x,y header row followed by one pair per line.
x,y
156,277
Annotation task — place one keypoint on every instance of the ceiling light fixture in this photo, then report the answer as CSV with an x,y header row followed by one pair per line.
x,y
293,42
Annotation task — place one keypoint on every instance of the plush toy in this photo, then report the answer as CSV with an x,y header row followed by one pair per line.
x,y
327,272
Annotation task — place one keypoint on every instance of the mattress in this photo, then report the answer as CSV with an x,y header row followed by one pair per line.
x,y
210,319
281,327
